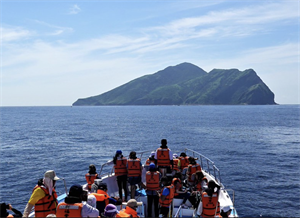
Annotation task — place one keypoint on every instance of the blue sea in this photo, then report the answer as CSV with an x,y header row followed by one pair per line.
x,y
256,148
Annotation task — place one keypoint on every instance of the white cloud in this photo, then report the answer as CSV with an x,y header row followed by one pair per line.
x,y
9,34
75,9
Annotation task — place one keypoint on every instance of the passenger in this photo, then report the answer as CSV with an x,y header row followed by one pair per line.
x,y
193,167
226,211
110,211
134,167
120,165
75,205
91,176
152,186
130,209
150,160
175,163
199,182
5,207
183,161
164,157
166,196
43,197
103,199
209,206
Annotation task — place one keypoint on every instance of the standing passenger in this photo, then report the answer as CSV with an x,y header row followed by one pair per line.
x,y
134,167
166,196
91,176
164,157
120,165
43,197
150,160
152,186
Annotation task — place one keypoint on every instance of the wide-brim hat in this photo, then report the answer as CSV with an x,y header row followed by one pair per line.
x,y
51,174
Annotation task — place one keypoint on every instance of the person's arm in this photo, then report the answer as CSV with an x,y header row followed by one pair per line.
x,y
89,211
35,197
15,211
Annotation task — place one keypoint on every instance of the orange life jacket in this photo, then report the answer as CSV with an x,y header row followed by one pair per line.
x,y
169,198
184,162
69,210
152,180
90,179
134,167
122,213
101,196
173,183
175,164
121,167
193,169
163,157
148,162
209,205
46,205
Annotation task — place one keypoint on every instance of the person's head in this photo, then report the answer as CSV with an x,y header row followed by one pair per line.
x,y
199,175
152,167
76,191
212,185
92,169
175,156
133,204
152,154
91,200
183,154
132,155
164,143
50,174
178,175
100,185
118,153
164,181
177,184
110,210
226,211
192,160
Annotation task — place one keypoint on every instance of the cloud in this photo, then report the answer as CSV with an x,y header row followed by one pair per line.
x,y
58,30
75,9
14,33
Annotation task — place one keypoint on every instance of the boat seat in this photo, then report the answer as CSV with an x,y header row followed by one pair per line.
x,y
184,212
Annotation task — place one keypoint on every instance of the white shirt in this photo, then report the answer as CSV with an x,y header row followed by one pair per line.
x,y
89,211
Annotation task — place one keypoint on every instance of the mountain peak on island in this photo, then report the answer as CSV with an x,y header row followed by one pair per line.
x,y
188,84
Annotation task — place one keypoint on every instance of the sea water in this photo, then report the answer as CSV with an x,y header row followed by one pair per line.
x,y
256,148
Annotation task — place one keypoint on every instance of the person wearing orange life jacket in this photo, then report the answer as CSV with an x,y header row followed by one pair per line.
x,y
102,198
199,182
183,161
4,207
210,206
151,159
120,166
75,204
134,168
175,163
91,176
166,196
152,187
130,210
43,197
193,167
164,157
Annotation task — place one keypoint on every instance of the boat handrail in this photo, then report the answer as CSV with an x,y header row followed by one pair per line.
x,y
110,162
178,211
216,172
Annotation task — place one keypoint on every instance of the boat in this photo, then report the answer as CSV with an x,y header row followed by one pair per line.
x,y
210,171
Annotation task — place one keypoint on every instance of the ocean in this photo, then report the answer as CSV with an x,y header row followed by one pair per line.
x,y
256,148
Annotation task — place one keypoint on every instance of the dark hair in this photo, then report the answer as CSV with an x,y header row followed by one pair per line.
x,y
211,187
92,169
183,154
115,157
164,178
199,174
132,155
192,160
164,143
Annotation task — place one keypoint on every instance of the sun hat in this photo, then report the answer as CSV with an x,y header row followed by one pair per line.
x,y
152,166
175,155
226,209
133,203
75,190
91,200
152,154
110,210
51,174
118,152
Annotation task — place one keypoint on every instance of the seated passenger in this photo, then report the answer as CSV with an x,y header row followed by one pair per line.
x,y
130,210
103,199
183,161
166,196
198,182
175,164
134,168
192,168
110,211
209,206
73,205
91,176
150,160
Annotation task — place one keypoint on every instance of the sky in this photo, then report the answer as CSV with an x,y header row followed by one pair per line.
x,y
55,52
